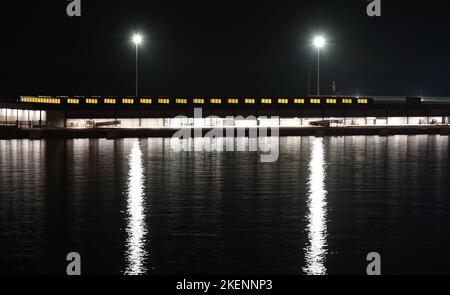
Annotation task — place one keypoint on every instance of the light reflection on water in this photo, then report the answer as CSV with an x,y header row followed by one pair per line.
x,y
136,227
316,228
318,210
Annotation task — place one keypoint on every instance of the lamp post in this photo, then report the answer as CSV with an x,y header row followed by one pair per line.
x,y
319,43
137,40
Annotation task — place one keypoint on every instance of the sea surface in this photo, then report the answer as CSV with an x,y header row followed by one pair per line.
x,y
141,206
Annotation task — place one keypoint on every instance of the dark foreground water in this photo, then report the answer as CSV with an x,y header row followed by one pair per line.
x,y
137,206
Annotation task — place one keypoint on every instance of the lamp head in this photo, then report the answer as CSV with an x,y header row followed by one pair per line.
x,y
137,39
319,42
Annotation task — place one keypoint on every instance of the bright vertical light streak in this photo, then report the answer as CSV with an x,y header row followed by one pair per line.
x,y
136,228
317,229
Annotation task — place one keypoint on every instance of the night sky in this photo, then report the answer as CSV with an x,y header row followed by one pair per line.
x,y
224,48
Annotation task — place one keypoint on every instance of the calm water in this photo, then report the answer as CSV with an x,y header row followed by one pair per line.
x,y
139,207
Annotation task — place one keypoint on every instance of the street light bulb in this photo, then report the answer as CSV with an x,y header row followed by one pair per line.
x,y
319,42
137,39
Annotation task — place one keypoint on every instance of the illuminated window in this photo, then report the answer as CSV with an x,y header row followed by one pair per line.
x,y
40,100
283,101
216,100
315,100
73,101
347,100
299,100
109,101
163,101
331,100
181,101
266,101
249,100
199,101
233,100
127,100
146,101
362,100
91,100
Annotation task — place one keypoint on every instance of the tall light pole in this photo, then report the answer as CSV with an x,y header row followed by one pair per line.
x,y
319,43
137,40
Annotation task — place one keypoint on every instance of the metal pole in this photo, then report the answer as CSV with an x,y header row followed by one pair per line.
x,y
318,71
309,84
137,72
137,79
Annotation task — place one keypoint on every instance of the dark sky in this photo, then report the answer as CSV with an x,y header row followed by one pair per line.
x,y
225,48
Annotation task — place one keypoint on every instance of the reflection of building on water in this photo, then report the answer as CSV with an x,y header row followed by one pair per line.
x,y
317,228
136,228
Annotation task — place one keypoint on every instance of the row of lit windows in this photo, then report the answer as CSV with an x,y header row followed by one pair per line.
x,y
195,100
40,100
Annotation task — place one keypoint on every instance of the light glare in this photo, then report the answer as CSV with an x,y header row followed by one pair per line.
x,y
137,39
319,42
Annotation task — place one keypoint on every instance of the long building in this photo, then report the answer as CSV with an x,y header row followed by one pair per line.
x,y
162,112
